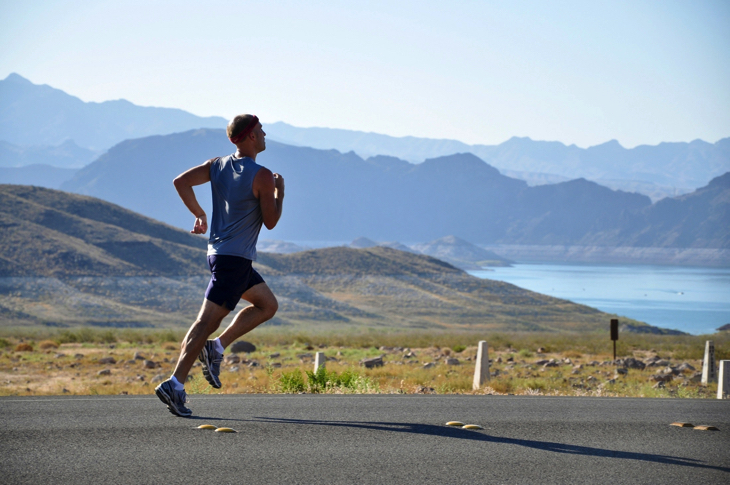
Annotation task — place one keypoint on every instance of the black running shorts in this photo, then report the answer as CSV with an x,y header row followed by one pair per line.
x,y
231,277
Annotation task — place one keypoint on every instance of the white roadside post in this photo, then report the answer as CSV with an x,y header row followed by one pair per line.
x,y
723,383
709,370
319,360
481,372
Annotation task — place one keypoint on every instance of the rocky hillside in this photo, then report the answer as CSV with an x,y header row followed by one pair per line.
x,y
72,260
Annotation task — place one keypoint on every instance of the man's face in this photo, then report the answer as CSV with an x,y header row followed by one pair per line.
x,y
260,138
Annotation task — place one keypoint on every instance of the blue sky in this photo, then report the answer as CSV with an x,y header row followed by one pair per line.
x,y
477,71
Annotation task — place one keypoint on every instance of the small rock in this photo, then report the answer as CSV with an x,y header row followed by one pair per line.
x,y
541,350
425,390
684,366
232,359
158,378
542,362
235,368
567,361
659,385
662,377
140,378
696,377
107,360
277,354
276,365
253,363
242,346
60,354
149,364
452,361
428,365
65,391
499,360
373,362
622,371
510,359
78,356
305,356
105,372
138,356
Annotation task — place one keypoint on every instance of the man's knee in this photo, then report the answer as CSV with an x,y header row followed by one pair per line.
x,y
270,307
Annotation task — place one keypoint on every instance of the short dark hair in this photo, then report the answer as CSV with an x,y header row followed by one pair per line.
x,y
238,124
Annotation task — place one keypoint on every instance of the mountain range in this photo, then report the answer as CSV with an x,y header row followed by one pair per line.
x,y
75,260
32,115
37,122
339,197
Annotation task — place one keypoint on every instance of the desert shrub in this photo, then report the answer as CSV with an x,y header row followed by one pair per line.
x,y
24,347
524,353
291,382
4,343
171,346
47,344
458,348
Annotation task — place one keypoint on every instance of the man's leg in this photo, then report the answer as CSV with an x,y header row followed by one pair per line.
x,y
208,321
263,307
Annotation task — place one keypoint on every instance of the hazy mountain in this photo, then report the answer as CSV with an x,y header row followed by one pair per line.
x,y
460,253
66,155
665,169
86,261
32,114
338,197
38,175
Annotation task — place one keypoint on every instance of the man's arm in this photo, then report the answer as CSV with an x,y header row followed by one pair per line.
x,y
184,184
269,189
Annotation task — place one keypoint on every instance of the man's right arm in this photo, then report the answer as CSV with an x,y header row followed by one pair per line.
x,y
184,184
269,189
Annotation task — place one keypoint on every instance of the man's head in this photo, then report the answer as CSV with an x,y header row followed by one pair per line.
x,y
246,131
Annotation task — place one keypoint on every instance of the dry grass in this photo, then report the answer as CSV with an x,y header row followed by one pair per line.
x,y
73,367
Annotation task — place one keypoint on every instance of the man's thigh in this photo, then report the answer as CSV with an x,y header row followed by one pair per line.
x,y
260,295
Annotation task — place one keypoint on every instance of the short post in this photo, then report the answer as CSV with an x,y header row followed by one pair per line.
x,y
481,372
614,335
319,360
709,372
723,383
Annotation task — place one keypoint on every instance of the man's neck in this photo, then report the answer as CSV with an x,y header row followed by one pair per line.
x,y
245,153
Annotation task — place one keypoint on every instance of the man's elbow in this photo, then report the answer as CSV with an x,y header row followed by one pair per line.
x,y
270,224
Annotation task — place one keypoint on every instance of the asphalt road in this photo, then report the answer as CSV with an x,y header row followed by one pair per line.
x,y
363,439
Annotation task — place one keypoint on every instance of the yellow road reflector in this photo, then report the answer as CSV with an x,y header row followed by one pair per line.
x,y
683,425
471,426
206,426
455,423
225,430
706,428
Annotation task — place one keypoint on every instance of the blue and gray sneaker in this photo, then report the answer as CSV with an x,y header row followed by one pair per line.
x,y
211,359
174,399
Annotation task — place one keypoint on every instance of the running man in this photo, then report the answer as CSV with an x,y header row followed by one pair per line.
x,y
245,196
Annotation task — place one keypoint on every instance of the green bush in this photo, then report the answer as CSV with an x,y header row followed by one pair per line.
x,y
291,381
4,343
458,348
350,380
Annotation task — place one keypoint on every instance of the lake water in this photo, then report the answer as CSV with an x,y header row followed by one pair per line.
x,y
693,300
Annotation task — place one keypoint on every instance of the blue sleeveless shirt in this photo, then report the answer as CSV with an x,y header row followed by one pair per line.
x,y
237,219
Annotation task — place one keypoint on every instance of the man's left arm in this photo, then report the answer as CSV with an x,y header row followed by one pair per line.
x,y
184,184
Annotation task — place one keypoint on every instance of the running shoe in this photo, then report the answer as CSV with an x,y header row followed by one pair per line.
x,y
211,359
174,399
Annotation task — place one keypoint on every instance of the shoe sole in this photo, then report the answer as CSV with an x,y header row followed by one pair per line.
x,y
166,399
212,380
